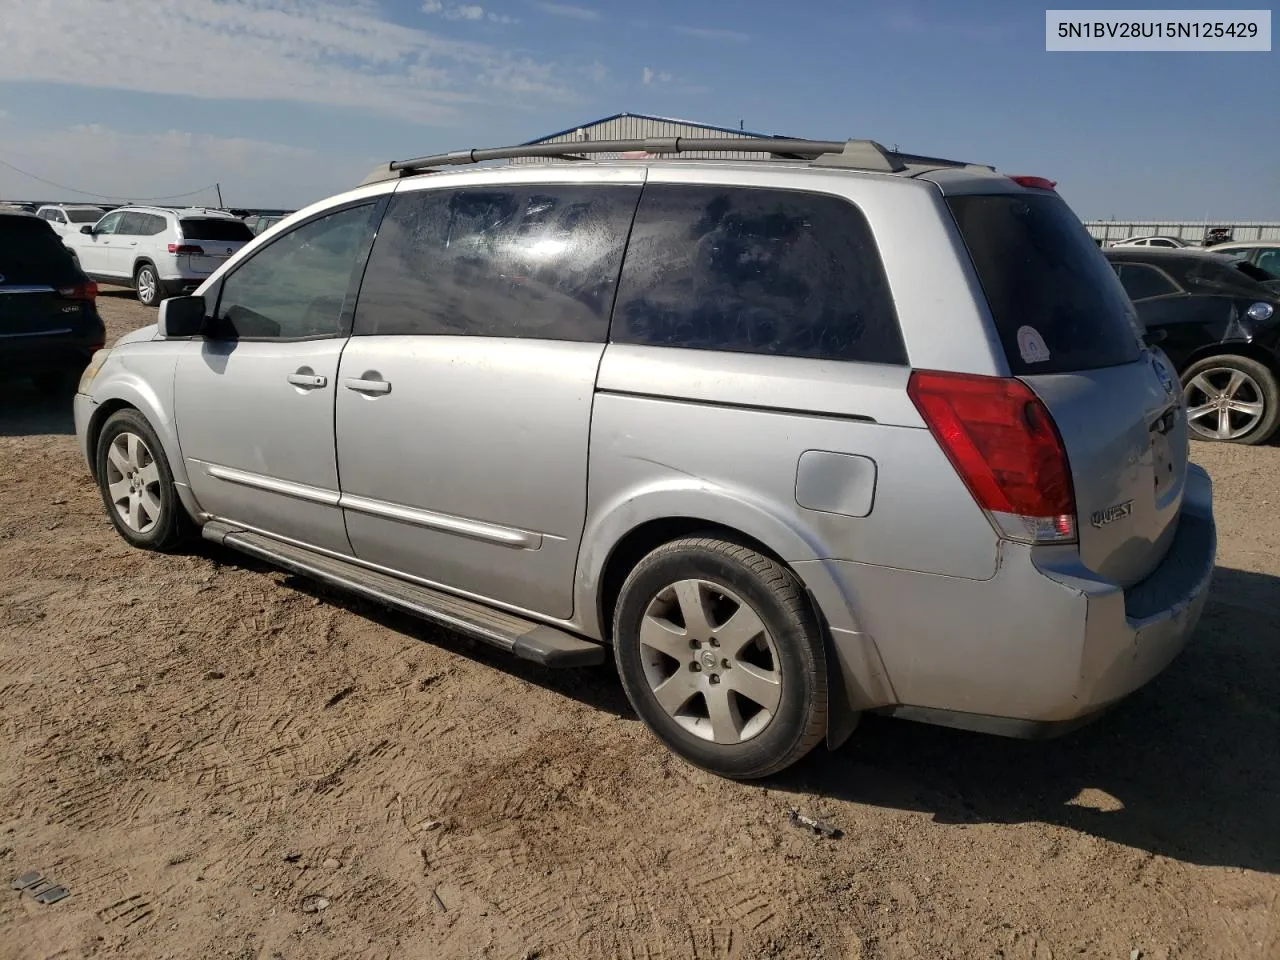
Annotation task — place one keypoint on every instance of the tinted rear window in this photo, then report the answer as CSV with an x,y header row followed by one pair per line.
x,y
215,229
1056,302
84,216
31,253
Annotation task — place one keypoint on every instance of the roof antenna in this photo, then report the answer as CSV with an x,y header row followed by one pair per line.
x,y
740,123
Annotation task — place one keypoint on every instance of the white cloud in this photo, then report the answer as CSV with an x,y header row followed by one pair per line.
x,y
138,166
324,52
568,10
465,11
713,34
651,76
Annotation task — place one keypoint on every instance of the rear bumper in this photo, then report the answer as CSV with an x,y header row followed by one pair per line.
x,y
1040,648
37,354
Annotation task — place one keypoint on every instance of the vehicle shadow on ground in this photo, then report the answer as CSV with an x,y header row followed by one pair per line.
x,y
26,412
1188,768
597,687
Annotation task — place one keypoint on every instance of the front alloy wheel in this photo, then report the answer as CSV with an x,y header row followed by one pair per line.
x,y
137,484
133,482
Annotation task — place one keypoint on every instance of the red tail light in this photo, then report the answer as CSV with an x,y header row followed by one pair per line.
x,y
1036,183
1003,443
81,291
185,248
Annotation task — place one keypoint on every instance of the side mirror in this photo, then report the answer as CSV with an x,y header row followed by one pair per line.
x,y
87,228
181,317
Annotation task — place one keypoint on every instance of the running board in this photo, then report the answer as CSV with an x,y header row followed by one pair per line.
x,y
517,635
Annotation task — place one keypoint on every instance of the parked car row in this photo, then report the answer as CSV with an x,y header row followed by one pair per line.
x,y
789,440
160,252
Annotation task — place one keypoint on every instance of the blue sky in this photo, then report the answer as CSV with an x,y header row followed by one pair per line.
x,y
285,101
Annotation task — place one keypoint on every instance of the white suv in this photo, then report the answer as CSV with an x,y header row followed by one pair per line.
x,y
67,218
158,251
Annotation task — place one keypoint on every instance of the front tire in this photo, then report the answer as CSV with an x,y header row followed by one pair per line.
x,y
147,284
1231,399
137,484
721,655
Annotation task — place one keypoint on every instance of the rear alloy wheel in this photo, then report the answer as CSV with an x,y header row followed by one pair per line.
x,y
137,485
147,283
721,656
1231,399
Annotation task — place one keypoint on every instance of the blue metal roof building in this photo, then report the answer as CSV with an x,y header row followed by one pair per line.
x,y
635,126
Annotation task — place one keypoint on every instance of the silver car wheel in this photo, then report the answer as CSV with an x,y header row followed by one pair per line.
x,y
133,482
146,285
710,662
1223,403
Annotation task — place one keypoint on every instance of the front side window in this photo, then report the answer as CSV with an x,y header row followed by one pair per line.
x,y
1142,282
295,287
749,270
525,261
110,223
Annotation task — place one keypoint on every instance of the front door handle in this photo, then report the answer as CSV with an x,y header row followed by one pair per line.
x,y
362,385
307,380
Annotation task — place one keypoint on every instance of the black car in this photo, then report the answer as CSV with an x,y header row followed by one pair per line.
x,y
49,322
1218,319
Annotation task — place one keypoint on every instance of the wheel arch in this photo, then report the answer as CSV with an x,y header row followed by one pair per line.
x,y
1233,348
133,392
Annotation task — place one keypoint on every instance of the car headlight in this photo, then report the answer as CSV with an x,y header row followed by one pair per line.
x,y
1260,312
95,364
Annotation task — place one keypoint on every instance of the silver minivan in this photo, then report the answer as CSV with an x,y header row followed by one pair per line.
x,y
842,431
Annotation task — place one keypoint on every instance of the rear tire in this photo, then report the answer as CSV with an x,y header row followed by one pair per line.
x,y
721,655
146,282
137,484
1231,399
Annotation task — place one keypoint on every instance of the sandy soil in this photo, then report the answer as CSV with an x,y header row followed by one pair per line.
x,y
222,761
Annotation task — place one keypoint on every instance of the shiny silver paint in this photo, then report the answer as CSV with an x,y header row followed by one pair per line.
x,y
508,471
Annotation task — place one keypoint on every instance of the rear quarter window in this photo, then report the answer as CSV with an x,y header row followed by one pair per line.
x,y
1056,303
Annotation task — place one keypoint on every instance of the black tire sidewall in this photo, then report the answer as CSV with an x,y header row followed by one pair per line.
x,y
155,276
1266,380
798,641
171,529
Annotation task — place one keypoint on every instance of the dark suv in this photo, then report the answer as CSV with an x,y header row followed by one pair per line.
x,y
49,322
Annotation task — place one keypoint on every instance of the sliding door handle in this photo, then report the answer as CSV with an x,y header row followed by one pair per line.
x,y
364,385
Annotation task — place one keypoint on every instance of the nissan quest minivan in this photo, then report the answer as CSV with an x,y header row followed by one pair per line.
x,y
846,430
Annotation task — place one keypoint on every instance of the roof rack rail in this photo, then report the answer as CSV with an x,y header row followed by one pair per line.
x,y
851,154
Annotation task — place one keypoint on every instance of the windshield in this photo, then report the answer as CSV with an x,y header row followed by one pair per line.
x,y
84,215
1055,300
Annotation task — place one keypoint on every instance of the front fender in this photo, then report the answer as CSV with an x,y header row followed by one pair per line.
x,y
142,380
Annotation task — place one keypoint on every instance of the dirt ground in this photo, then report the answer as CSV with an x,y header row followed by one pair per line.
x,y
220,760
